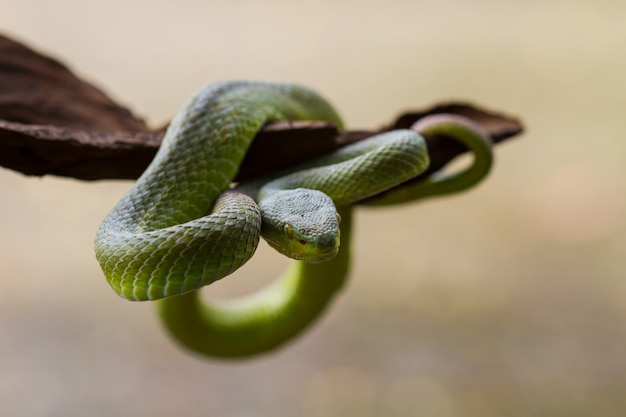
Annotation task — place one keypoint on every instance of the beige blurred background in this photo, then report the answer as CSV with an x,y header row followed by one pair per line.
x,y
505,301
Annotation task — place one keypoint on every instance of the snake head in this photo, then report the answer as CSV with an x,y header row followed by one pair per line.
x,y
301,223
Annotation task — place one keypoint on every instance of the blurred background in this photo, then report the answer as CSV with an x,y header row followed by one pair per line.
x,y
508,300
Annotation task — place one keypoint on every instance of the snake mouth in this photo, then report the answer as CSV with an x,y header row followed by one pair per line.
x,y
307,250
312,251
322,256
324,250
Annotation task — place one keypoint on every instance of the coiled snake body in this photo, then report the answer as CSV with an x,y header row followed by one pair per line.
x,y
182,227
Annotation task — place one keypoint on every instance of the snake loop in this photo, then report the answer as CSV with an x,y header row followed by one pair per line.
x,y
181,227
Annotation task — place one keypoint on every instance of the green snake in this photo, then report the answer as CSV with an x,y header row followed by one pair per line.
x,y
184,225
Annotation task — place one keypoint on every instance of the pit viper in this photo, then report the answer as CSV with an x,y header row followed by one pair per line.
x,y
184,224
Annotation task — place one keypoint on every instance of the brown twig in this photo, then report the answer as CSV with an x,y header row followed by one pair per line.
x,y
54,123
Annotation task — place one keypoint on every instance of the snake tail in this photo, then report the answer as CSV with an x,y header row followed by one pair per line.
x,y
460,129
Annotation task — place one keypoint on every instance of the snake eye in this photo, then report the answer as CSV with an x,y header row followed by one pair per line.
x,y
338,218
288,230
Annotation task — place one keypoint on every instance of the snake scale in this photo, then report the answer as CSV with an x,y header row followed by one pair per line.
x,y
183,225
